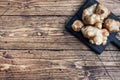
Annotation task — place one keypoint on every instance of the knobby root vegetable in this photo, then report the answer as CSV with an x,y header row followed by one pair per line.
x,y
96,36
77,25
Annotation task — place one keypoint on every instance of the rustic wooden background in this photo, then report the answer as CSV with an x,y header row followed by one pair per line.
x,y
34,44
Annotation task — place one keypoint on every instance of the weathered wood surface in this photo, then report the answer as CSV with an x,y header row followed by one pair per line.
x,y
34,44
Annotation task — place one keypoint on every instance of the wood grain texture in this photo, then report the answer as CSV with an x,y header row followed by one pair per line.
x,y
34,44
48,7
46,32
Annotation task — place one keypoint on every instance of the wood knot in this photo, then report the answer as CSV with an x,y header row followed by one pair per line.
x,y
8,3
37,34
5,55
87,73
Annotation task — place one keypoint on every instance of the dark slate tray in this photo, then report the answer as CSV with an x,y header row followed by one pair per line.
x,y
78,16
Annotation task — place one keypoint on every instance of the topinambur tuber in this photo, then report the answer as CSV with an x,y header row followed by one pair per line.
x,y
96,36
77,25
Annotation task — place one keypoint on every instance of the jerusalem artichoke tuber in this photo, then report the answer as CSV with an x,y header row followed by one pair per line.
x,y
77,25
96,36
112,25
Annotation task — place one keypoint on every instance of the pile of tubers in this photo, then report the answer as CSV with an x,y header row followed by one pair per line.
x,y
95,24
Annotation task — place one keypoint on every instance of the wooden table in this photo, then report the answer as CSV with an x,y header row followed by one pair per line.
x,y
34,44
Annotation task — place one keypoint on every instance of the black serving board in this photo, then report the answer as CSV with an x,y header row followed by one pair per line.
x,y
78,16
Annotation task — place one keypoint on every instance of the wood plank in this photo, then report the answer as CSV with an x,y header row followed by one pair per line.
x,y
107,56
37,22
48,46
71,65
97,73
15,31
39,7
52,7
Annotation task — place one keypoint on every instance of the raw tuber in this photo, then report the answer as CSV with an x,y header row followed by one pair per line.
x,y
112,25
77,25
96,36
102,11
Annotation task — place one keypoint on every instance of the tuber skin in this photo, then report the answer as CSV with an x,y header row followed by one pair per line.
x,y
93,19
87,12
96,36
98,25
77,25
102,11
112,25
90,10
95,14
89,16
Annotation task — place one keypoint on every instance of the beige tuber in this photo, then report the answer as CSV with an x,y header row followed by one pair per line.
x,y
88,12
93,19
112,25
95,35
102,11
77,25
